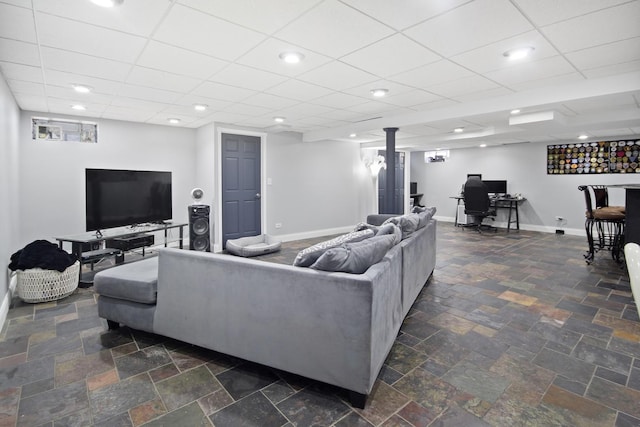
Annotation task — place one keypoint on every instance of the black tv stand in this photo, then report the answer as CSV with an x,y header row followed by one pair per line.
x,y
129,236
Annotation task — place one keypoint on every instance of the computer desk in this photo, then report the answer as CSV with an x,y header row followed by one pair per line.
x,y
510,203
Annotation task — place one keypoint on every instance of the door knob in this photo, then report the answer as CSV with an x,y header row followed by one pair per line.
x,y
257,195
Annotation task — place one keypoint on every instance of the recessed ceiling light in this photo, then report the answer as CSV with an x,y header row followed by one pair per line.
x,y
379,93
519,53
291,57
79,107
173,121
352,135
483,145
278,119
82,88
107,3
200,107
516,111
583,136
458,130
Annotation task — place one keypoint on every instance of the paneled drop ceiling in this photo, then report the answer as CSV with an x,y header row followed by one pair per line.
x,y
441,60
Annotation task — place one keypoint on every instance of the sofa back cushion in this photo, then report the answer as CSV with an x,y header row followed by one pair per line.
x,y
308,256
355,257
408,223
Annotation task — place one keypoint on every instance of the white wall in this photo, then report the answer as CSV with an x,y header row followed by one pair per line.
x,y
524,168
51,173
9,213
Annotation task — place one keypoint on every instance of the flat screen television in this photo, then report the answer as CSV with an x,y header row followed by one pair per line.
x,y
496,186
116,197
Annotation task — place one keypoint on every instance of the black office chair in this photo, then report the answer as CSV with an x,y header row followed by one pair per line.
x,y
477,203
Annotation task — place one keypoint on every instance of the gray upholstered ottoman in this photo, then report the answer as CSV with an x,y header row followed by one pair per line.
x,y
128,294
253,245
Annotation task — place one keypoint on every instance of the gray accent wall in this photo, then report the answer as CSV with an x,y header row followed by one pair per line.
x,y
524,167
9,211
51,173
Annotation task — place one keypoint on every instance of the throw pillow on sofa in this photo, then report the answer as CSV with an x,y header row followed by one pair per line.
x,y
308,256
364,226
390,229
355,257
408,223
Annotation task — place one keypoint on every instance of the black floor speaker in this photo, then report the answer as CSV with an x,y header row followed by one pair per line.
x,y
199,235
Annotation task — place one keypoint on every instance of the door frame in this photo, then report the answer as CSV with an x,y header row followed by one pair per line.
x,y
217,214
407,179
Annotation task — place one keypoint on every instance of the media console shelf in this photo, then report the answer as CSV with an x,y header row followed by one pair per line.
x,y
117,240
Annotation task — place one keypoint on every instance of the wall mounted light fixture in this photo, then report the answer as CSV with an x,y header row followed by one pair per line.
x,y
376,164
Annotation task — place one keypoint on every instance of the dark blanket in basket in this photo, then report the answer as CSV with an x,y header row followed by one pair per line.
x,y
41,254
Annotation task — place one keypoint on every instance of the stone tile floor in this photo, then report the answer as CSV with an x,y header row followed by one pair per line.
x,y
512,330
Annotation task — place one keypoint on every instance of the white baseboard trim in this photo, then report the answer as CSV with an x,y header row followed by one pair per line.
x,y
315,233
528,227
6,301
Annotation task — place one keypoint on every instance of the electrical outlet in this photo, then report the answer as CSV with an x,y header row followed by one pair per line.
x,y
278,225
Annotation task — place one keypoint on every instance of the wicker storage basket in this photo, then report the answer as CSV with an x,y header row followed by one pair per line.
x,y
38,285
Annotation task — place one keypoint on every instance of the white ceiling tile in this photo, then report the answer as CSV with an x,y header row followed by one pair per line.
x,y
341,115
305,110
554,80
61,60
163,119
67,80
613,24
390,56
337,76
63,106
610,70
19,52
372,108
88,39
432,74
248,110
491,57
410,12
72,97
411,98
21,72
434,105
544,12
127,114
27,88
148,93
545,68
483,94
265,17
222,92
470,26
149,77
179,61
265,56
608,102
191,99
606,55
270,101
17,23
333,29
139,104
31,102
251,78
463,86
302,91
134,17
224,117
339,100
194,30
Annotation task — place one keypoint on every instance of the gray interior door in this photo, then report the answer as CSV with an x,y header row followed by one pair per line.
x,y
399,190
241,212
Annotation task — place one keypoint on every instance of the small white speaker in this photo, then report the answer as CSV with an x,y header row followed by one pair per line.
x,y
197,194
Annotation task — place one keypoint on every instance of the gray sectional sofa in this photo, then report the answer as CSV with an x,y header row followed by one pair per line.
x,y
333,327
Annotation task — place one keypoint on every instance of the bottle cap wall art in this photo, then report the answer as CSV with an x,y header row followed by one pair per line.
x,y
593,158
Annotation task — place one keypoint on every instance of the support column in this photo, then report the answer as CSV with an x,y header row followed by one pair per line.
x,y
390,187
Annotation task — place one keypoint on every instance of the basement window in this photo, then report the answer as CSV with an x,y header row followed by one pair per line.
x,y
46,129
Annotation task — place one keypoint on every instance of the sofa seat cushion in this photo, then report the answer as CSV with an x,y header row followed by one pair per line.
x,y
355,257
136,281
308,256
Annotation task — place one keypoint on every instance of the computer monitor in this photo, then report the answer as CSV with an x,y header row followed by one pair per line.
x,y
496,186
413,186
475,175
